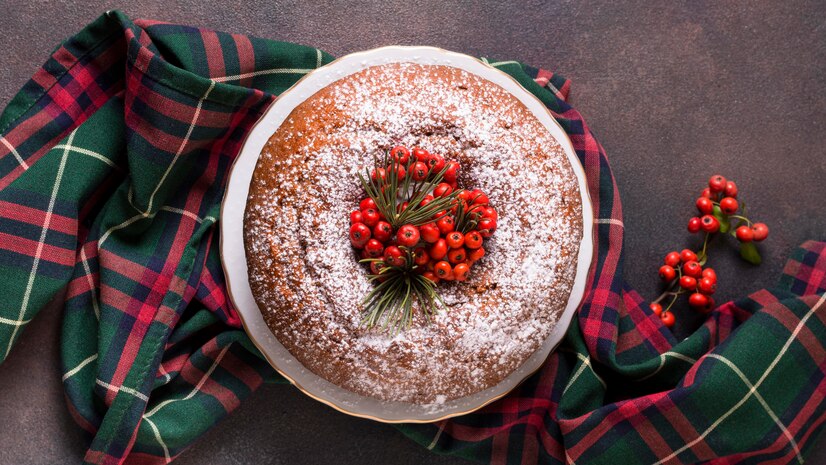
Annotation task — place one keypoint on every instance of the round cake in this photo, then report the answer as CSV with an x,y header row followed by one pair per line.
x,y
305,274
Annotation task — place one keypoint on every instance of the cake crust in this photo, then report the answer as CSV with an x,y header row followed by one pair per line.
x,y
305,275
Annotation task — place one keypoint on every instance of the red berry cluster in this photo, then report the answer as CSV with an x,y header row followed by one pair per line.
x,y
685,269
685,272
441,245
719,202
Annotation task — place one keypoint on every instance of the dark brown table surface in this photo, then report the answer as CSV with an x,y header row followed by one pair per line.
x,y
674,93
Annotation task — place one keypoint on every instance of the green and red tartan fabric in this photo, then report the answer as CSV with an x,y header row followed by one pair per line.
x,y
113,161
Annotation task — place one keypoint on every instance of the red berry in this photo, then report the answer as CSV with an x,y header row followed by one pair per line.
x,y
729,205
431,276
452,171
744,234
709,224
463,195
710,274
420,154
445,224
709,305
373,248
429,232
400,154
367,203
359,235
486,227
394,256
473,240
455,239
705,205
376,266
667,273
420,256
687,255
489,212
426,200
694,224
688,283
408,235
436,163
378,175
693,269
443,189
371,217
460,272
457,255
656,308
717,183
356,217
672,259
400,171
475,254
382,231
761,231
402,207
438,250
707,286
697,300
668,319
442,269
418,172
478,197
706,193
730,189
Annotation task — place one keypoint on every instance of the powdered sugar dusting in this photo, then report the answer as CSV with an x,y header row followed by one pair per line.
x,y
305,274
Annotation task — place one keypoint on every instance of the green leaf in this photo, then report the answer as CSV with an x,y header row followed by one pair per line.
x,y
749,253
725,224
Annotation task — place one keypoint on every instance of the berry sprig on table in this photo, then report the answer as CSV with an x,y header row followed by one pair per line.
x,y
415,229
685,272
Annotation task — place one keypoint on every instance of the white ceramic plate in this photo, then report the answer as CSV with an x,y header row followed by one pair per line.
x,y
235,263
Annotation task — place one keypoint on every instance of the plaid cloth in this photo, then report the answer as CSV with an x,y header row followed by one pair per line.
x,y
113,160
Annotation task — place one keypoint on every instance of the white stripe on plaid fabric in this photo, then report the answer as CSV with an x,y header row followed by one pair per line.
x,y
90,153
79,367
166,376
318,58
43,232
189,214
159,439
196,388
263,72
7,321
682,357
586,362
125,389
609,221
438,435
183,145
753,389
14,152
149,216
92,289
763,402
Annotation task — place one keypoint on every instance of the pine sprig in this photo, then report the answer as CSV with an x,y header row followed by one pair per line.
x,y
389,194
465,218
390,304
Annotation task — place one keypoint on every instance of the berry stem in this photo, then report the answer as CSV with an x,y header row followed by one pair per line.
x,y
741,218
702,257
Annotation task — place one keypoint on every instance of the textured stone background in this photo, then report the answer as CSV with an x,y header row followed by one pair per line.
x,y
674,93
